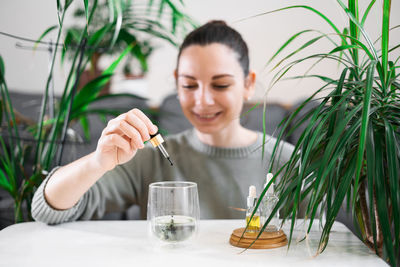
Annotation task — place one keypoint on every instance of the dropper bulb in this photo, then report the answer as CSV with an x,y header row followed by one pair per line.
x,y
269,177
252,191
268,180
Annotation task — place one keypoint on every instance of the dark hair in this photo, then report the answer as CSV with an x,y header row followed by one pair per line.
x,y
217,31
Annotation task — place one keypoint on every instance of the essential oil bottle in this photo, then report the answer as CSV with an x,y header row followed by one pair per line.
x,y
254,223
268,204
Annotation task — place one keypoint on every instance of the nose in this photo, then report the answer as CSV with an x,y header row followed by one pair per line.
x,y
204,96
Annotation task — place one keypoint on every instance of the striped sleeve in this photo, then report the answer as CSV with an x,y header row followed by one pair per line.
x,y
43,212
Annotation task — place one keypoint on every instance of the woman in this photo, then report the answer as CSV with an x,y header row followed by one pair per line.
x,y
222,157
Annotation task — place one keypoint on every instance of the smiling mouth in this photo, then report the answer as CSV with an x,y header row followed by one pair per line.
x,y
207,117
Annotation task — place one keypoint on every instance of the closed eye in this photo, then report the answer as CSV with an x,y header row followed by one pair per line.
x,y
221,86
189,86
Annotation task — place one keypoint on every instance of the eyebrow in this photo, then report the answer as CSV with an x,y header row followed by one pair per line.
x,y
214,77
187,76
221,76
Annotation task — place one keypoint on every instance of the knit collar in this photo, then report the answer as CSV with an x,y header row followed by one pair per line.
x,y
226,152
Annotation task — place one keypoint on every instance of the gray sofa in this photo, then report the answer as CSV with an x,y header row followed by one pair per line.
x,y
170,119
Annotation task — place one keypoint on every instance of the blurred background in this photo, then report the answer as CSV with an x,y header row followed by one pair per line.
x,y
26,71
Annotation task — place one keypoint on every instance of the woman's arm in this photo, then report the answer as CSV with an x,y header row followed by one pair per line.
x,y
118,143
68,184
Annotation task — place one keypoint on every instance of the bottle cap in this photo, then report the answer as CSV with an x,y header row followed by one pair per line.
x,y
156,139
267,180
252,191
252,198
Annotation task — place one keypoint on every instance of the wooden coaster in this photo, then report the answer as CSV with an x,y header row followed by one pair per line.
x,y
266,240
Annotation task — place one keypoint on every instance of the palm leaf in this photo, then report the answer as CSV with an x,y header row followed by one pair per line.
x,y
4,183
307,44
44,34
336,155
39,136
381,199
2,70
118,22
291,39
393,173
385,38
86,3
364,18
353,8
325,18
364,125
364,33
90,91
84,121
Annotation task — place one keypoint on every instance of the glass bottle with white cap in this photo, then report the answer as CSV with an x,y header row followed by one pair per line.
x,y
268,204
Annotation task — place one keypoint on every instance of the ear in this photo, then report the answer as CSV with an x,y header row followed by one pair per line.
x,y
176,75
249,85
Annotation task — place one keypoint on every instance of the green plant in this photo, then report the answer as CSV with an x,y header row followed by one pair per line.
x,y
49,132
349,152
141,23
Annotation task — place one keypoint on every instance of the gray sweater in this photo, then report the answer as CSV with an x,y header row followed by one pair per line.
x,y
223,176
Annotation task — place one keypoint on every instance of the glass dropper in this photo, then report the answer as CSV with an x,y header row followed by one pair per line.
x,y
156,140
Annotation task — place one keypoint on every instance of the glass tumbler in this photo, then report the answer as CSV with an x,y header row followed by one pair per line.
x,y
173,211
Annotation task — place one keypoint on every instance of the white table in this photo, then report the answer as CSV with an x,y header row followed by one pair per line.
x,y
126,243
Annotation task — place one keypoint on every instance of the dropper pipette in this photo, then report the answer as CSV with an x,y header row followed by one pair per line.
x,y
156,140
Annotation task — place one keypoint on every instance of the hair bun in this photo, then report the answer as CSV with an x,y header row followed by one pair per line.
x,y
217,31
217,22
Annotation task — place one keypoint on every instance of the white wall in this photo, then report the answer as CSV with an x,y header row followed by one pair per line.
x,y
27,71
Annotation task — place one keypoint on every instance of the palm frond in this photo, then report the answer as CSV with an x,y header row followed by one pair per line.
x,y
348,153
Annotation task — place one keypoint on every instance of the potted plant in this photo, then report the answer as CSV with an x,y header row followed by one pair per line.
x,y
24,165
349,151
141,23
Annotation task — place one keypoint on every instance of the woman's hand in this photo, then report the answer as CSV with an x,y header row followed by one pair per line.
x,y
118,143
122,137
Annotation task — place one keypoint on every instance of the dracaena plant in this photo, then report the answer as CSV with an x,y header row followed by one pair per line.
x,y
348,153
49,131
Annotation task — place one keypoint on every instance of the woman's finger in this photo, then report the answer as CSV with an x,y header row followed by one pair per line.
x,y
150,126
111,128
138,124
116,141
134,124
128,123
122,126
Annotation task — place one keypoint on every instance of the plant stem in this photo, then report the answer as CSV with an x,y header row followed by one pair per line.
x,y
18,212
66,120
49,78
54,130
365,215
379,235
10,117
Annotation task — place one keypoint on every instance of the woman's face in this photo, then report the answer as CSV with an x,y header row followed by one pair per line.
x,y
212,87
